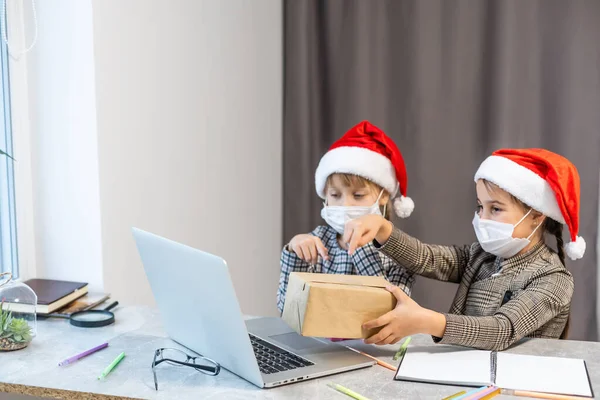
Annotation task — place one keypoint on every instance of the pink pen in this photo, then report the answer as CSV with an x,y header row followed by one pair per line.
x,y
84,354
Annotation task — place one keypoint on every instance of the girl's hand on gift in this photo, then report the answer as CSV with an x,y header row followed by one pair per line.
x,y
408,318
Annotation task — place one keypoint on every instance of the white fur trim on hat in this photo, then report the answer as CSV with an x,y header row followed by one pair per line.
x,y
522,183
404,206
357,161
576,249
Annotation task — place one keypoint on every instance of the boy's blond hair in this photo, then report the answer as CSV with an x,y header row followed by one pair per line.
x,y
351,180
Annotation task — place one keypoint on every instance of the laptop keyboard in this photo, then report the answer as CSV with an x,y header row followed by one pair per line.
x,y
272,359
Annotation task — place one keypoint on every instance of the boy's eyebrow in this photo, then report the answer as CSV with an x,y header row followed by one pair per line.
x,y
493,202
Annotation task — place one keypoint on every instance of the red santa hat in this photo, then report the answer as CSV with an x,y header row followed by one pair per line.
x,y
545,181
366,151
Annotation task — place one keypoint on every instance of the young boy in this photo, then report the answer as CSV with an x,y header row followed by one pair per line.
x,y
358,176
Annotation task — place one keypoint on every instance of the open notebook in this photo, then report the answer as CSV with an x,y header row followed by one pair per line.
x,y
465,367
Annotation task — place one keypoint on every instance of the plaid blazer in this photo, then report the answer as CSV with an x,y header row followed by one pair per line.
x,y
365,261
498,301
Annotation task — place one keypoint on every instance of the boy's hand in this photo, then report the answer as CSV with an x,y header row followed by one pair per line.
x,y
308,248
363,230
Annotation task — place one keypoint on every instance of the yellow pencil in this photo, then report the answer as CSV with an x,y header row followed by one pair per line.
x,y
455,395
492,395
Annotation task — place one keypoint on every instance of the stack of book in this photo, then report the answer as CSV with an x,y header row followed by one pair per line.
x,y
59,298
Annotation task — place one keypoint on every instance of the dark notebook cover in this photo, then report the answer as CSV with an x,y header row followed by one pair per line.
x,y
48,291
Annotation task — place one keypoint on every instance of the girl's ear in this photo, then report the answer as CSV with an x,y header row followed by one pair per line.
x,y
537,217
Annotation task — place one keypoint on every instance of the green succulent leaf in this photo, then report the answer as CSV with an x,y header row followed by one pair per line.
x,y
15,329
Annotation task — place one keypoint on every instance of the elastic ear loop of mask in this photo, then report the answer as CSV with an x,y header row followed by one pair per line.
x,y
536,228
521,220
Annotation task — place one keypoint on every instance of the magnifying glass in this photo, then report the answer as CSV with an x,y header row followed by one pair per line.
x,y
94,318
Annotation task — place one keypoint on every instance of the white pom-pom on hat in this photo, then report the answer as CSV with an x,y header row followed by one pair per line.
x,y
404,206
575,250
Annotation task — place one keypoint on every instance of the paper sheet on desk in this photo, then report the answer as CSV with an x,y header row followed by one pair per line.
x,y
446,365
453,365
543,374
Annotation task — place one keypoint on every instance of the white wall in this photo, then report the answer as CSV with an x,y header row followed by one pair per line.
x,y
189,110
63,139
168,118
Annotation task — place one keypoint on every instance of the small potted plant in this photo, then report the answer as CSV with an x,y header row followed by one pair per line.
x,y
15,333
18,329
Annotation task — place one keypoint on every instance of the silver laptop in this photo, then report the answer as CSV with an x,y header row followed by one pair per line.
x,y
200,311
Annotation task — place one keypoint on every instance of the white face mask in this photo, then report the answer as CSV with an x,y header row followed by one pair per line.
x,y
496,237
337,216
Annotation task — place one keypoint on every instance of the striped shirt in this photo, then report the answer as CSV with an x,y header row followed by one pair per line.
x,y
498,301
365,261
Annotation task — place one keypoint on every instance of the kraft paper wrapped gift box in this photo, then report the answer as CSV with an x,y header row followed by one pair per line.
x,y
335,306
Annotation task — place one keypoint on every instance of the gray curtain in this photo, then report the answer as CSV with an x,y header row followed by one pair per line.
x,y
450,81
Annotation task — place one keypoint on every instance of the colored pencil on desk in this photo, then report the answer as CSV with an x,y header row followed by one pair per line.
x,y
77,357
378,361
112,366
492,394
470,393
537,395
347,391
482,393
455,395
402,350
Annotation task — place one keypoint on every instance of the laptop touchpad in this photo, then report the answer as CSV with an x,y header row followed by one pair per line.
x,y
297,342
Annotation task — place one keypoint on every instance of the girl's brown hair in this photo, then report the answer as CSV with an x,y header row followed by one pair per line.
x,y
350,180
550,226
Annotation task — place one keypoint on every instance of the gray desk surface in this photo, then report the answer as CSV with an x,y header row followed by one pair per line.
x,y
138,332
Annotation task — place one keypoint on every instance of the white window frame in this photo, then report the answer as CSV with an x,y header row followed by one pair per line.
x,y
9,257
22,146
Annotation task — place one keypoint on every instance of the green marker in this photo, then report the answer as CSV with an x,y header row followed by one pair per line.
x,y
402,349
346,391
112,366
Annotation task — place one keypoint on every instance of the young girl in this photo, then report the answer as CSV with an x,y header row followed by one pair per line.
x,y
511,284
358,176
